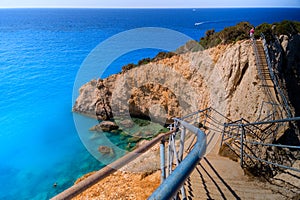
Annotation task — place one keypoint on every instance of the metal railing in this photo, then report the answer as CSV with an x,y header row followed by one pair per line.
x,y
172,178
244,135
259,67
274,78
204,125
171,185
175,169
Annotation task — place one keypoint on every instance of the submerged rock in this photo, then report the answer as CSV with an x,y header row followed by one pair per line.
x,y
134,139
105,150
127,123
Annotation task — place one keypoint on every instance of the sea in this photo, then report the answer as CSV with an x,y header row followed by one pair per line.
x,y
41,51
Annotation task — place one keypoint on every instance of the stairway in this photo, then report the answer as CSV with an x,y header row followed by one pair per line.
x,y
216,177
267,82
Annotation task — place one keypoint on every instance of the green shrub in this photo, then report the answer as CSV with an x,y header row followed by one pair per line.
x,y
128,67
241,31
144,61
279,28
287,28
227,35
266,29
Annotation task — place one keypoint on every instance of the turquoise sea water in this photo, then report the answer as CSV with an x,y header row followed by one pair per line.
x,y
41,51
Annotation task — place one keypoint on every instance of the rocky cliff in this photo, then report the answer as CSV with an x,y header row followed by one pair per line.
x,y
223,77
285,54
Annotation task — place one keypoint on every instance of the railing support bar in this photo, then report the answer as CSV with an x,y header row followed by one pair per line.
x,y
181,148
242,145
175,181
162,160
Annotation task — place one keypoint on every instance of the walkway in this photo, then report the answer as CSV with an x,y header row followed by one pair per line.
x,y
264,72
217,177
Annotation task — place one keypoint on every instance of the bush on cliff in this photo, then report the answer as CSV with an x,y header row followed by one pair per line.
x,y
227,35
241,31
285,27
159,56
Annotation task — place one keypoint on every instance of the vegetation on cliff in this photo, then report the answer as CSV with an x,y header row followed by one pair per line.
x,y
241,31
285,27
144,61
227,35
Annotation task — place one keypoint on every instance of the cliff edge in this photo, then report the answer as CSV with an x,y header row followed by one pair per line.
x,y
224,77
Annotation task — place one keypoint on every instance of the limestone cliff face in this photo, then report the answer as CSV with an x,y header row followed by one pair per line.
x,y
290,68
244,93
224,77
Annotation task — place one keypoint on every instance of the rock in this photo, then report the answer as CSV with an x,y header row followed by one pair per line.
x,y
108,126
86,101
148,133
96,128
105,150
134,139
127,123
284,39
138,134
117,132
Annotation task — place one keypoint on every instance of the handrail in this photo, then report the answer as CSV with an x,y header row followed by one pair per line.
x,y
267,122
196,112
271,163
274,79
259,69
241,138
109,169
272,145
172,184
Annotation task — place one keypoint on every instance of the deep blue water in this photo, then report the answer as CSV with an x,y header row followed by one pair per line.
x,y
41,51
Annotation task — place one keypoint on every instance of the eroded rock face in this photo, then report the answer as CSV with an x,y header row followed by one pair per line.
x,y
224,77
86,102
159,90
292,72
243,87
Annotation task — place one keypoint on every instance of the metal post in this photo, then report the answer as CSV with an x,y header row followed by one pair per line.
x,y
181,148
170,155
177,161
223,134
242,145
162,160
175,181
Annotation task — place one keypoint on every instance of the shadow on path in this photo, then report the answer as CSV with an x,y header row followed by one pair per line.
x,y
220,185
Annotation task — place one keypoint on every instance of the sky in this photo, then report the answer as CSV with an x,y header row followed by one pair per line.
x,y
145,3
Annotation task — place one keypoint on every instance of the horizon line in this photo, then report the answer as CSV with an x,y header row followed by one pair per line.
x,y
81,7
